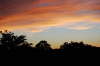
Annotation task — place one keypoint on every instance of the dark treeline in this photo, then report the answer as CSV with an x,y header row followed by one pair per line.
x,y
18,45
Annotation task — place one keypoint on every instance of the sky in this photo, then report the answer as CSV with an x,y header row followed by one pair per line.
x,y
56,21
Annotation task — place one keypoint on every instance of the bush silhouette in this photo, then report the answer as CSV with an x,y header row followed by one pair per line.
x,y
43,45
72,44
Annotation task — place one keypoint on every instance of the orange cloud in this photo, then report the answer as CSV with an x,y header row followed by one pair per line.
x,y
41,14
37,24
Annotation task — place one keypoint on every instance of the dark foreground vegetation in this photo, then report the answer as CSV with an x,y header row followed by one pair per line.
x,y
11,45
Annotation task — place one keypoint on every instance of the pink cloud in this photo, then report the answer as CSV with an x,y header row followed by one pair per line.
x,y
26,14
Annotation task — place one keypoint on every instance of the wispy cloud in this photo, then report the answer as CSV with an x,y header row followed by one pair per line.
x,y
36,15
80,27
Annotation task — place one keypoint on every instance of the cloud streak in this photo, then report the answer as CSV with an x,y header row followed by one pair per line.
x,y
36,15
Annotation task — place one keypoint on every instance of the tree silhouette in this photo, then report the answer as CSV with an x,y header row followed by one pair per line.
x,y
17,45
9,40
43,45
72,44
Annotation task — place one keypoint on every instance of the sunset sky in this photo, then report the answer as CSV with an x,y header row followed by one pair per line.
x,y
56,21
